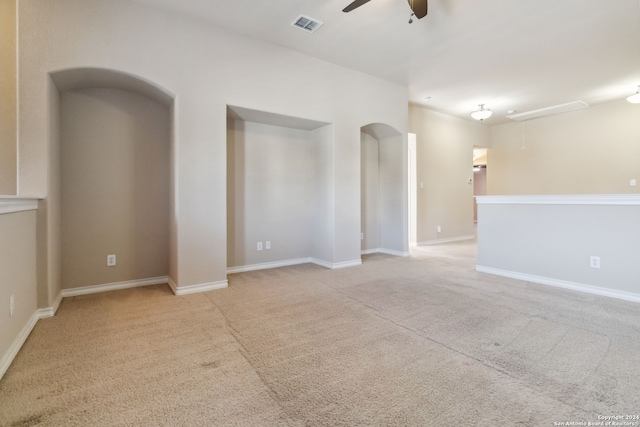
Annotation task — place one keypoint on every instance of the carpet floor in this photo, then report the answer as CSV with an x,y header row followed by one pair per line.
x,y
418,341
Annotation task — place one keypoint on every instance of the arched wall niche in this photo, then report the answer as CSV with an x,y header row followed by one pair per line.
x,y
91,77
110,183
381,131
383,172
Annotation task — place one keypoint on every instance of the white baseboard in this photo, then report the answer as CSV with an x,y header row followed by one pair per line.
x,y
85,290
574,286
266,265
17,344
295,261
43,313
369,251
393,252
448,240
384,251
336,265
192,289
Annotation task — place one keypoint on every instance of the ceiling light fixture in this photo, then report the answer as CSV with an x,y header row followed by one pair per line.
x,y
635,98
482,113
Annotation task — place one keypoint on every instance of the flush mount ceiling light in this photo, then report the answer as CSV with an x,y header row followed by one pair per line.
x,y
635,98
482,113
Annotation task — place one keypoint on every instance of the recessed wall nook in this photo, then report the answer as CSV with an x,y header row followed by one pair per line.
x,y
383,171
280,191
110,183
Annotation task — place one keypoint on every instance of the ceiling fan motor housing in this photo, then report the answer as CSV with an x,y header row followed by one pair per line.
x,y
419,7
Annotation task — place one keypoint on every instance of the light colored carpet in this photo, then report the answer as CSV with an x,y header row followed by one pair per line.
x,y
417,341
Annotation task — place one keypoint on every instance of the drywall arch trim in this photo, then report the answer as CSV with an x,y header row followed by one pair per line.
x,y
381,131
91,77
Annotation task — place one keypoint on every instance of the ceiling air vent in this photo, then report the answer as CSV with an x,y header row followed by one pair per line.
x,y
307,24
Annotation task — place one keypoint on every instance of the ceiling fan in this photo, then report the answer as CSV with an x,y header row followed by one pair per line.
x,y
418,7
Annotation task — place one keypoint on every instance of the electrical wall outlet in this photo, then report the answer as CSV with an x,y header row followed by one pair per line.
x,y
259,246
439,229
594,261
111,260
632,182
12,305
267,245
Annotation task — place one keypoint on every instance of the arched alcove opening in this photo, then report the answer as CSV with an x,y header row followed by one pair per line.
x,y
383,190
110,180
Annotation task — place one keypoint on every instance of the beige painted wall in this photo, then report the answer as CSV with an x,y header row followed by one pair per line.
x,y
444,146
272,193
553,242
392,196
369,171
384,190
17,274
8,140
207,68
324,226
590,151
49,210
115,187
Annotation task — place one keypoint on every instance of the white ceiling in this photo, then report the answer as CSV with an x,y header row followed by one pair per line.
x,y
509,54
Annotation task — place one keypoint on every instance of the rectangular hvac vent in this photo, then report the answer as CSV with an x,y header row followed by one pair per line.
x,y
307,24
548,111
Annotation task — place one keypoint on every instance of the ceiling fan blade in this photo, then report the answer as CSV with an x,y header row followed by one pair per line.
x,y
419,7
356,4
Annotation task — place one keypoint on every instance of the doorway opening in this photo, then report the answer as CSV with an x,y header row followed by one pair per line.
x,y
412,175
479,177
